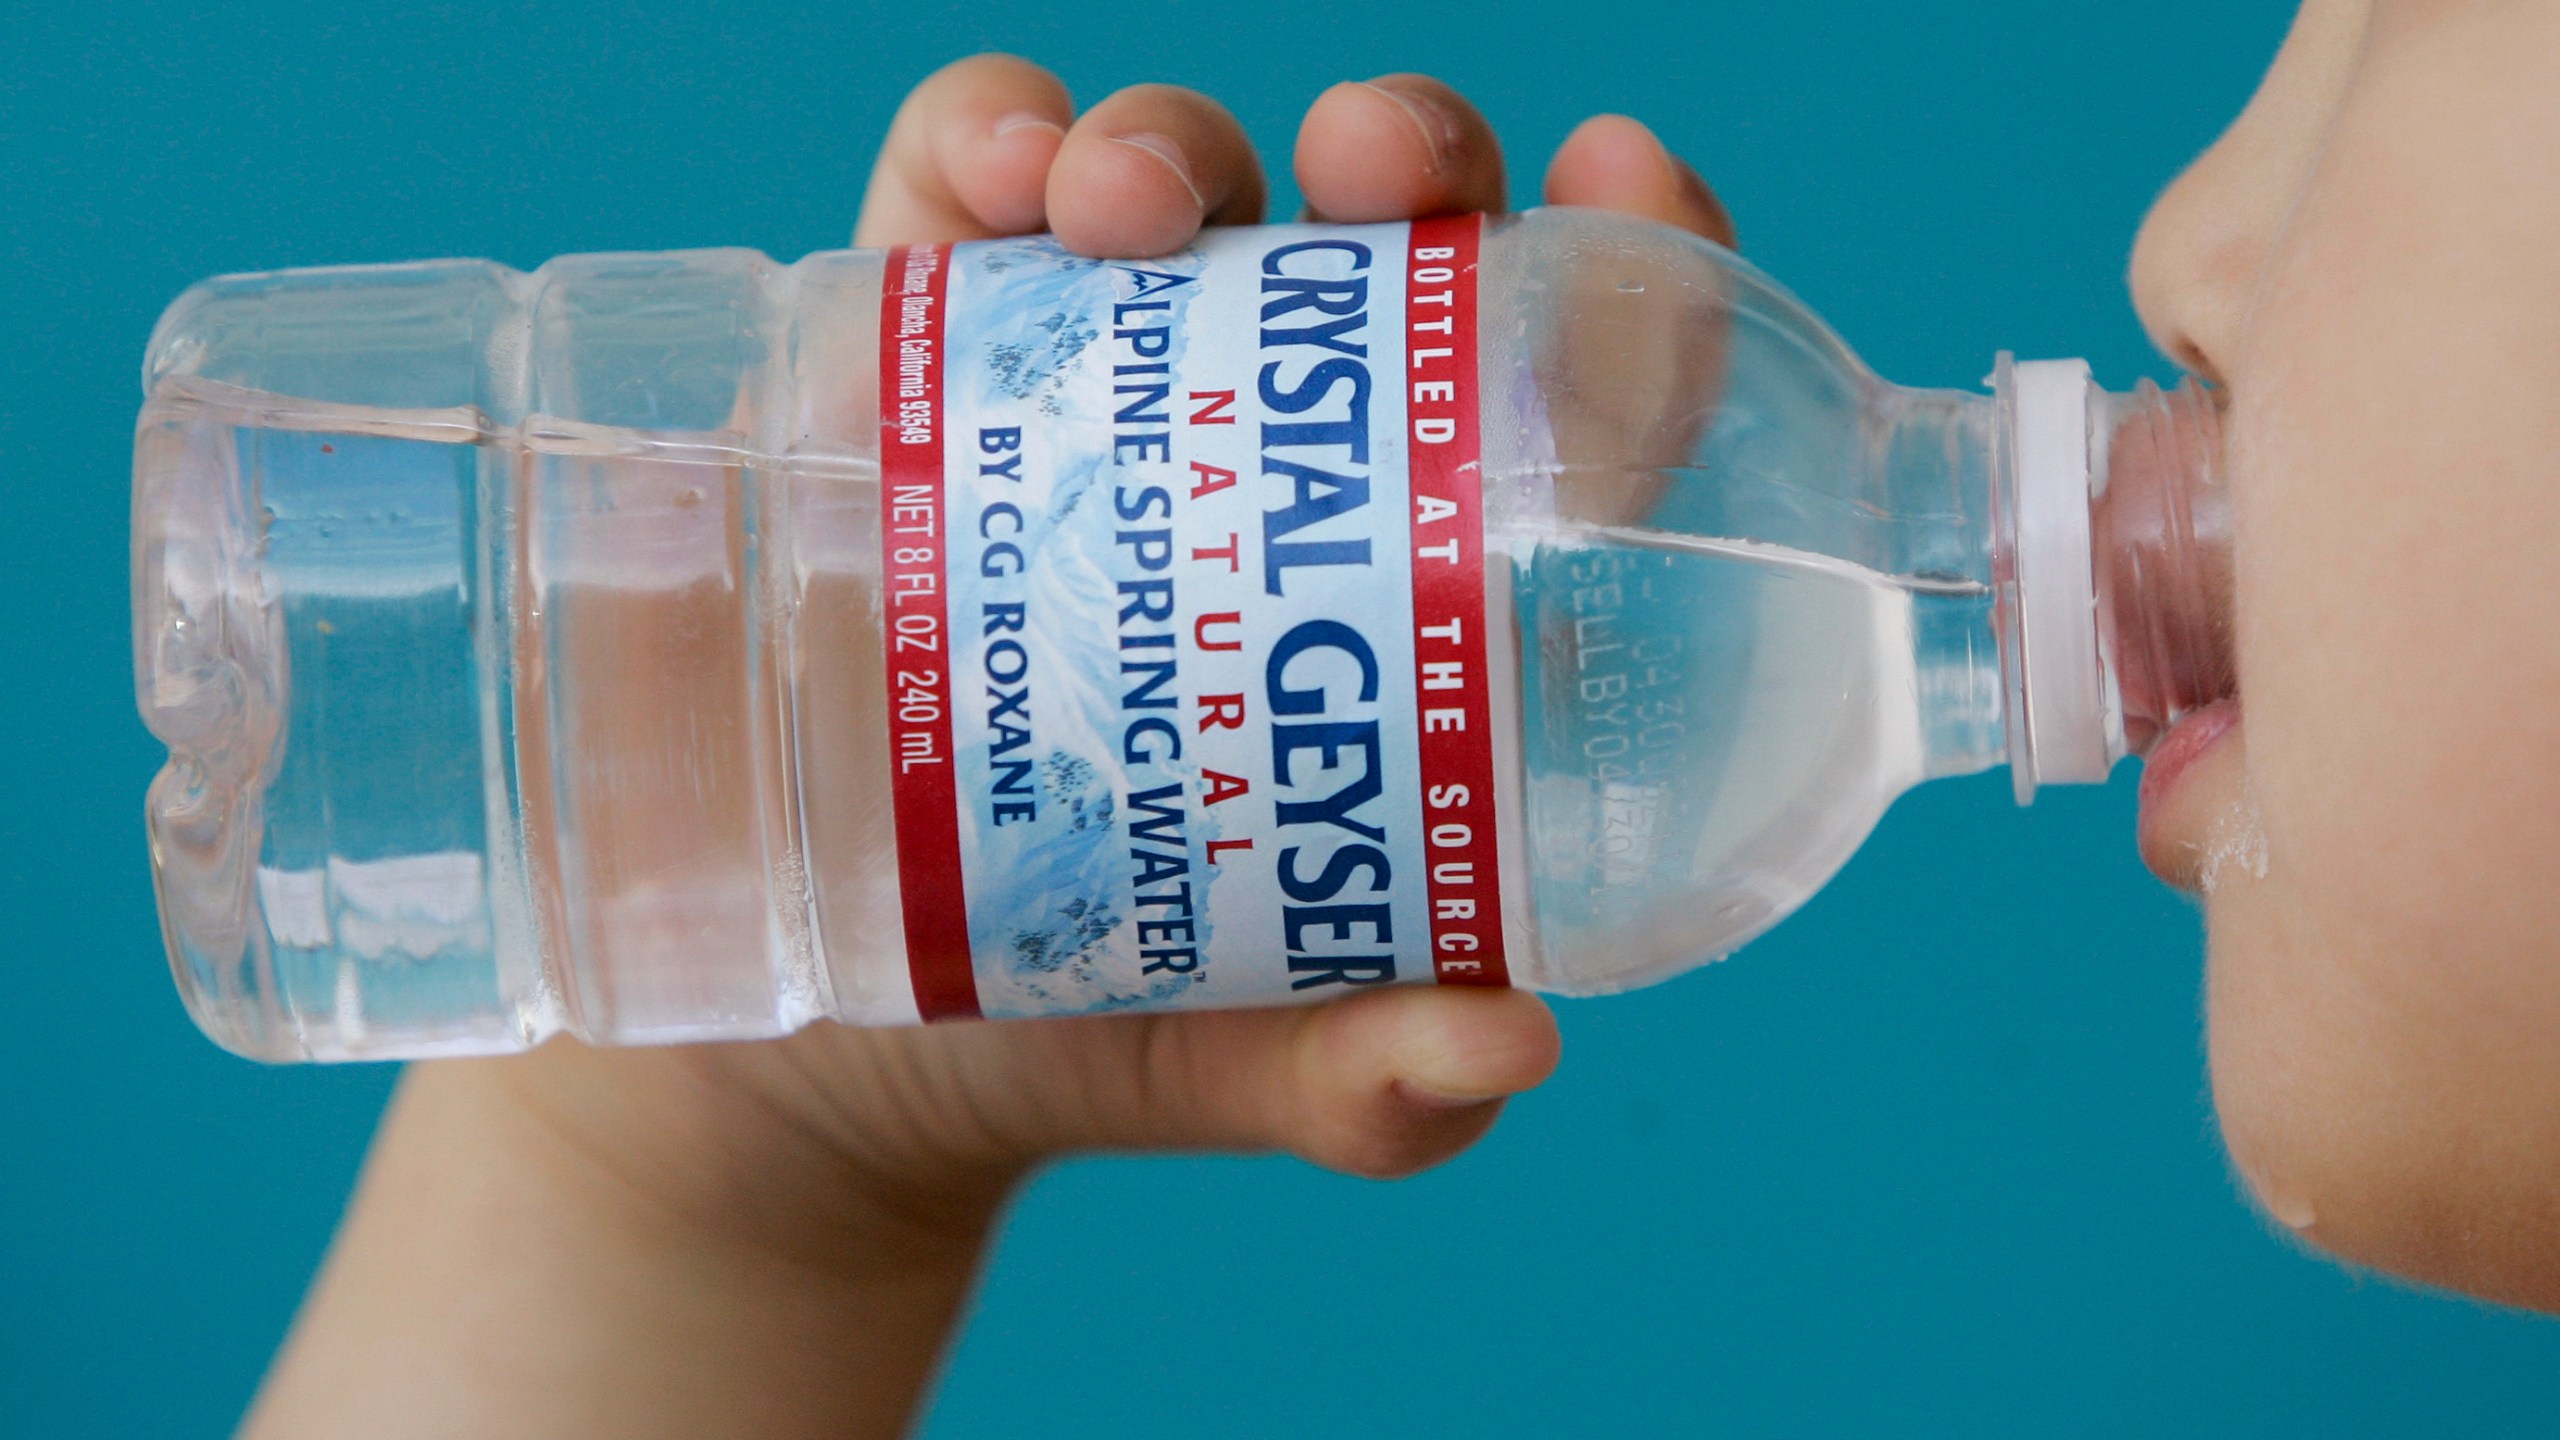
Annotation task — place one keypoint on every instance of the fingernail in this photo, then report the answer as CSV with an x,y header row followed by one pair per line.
x,y
1024,120
1439,128
1163,148
1691,183
1714,221
1426,1097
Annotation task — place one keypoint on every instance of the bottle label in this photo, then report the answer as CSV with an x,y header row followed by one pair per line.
x,y
1183,588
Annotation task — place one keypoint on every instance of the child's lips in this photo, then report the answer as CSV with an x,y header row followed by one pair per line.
x,y
2187,742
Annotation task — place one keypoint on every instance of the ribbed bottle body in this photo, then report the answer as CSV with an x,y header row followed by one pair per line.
x,y
499,625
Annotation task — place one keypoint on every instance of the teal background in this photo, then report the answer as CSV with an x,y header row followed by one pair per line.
x,y
1934,1159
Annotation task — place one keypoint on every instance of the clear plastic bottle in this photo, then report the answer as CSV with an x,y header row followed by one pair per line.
x,y
517,639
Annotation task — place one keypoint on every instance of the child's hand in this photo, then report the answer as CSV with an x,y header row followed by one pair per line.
x,y
774,1238
991,146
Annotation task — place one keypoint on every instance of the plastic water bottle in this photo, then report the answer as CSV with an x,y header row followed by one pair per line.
x,y
685,647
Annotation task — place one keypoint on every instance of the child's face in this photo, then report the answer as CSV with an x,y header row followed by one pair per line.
x,y
2370,262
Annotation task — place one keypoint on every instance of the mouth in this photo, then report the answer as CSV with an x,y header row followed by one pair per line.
x,y
2178,753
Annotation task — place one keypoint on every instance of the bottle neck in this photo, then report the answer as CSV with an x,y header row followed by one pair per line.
x,y
2112,567
2160,534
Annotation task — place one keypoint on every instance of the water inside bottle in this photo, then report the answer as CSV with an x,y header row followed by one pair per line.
x,y
1710,727
1706,728
329,693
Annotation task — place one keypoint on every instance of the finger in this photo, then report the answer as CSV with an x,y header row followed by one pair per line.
x,y
1611,162
968,155
1394,148
1649,328
1145,169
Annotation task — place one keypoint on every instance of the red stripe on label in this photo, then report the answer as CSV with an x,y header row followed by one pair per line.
x,y
1455,703
917,631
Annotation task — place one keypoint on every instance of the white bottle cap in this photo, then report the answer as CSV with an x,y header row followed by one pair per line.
x,y
2065,689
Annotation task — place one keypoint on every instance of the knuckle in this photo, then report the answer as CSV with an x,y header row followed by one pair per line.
x,y
1438,88
1154,92
991,75
995,65
1188,111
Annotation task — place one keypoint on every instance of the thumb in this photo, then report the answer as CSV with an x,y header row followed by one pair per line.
x,y
1380,1084
939,1121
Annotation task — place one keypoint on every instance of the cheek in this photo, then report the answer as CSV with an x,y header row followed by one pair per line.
x,y
2383,998
2395,471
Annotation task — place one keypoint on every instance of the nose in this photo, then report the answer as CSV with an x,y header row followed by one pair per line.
x,y
2197,262
2194,265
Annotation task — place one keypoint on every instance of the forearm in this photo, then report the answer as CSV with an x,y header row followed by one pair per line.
x,y
503,1273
